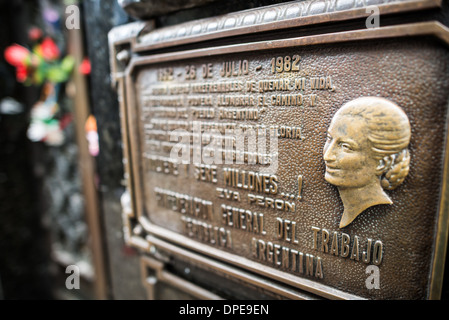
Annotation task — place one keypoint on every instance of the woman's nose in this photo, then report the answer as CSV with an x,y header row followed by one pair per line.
x,y
328,152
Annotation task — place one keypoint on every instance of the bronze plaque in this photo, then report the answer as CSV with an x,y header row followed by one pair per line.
x,y
318,162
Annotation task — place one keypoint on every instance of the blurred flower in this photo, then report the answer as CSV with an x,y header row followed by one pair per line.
x,y
36,131
55,136
21,73
35,34
46,131
43,111
44,127
85,67
41,64
48,49
16,55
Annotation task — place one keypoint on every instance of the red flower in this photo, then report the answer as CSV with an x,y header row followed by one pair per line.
x,y
48,49
17,55
21,73
85,67
34,34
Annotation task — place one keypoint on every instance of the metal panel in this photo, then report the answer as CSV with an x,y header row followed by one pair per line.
x,y
275,214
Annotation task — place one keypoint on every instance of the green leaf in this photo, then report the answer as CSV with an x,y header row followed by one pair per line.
x,y
51,122
67,64
57,75
38,76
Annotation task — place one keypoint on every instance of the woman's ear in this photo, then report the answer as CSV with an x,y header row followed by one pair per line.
x,y
385,164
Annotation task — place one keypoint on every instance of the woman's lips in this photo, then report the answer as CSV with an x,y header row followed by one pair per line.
x,y
331,169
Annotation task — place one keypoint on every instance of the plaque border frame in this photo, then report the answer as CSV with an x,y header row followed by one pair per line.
x,y
135,224
133,34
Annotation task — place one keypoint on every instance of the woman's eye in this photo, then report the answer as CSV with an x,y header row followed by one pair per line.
x,y
346,146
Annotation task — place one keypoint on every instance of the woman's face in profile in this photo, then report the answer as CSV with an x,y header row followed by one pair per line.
x,y
347,153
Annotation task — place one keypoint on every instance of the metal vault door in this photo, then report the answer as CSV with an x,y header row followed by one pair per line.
x,y
212,221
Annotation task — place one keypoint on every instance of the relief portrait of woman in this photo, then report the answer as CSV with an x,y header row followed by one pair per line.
x,y
366,153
